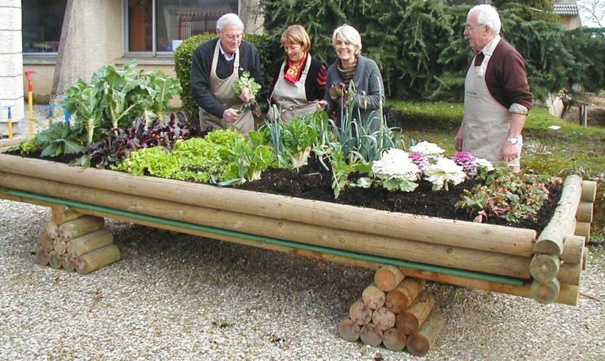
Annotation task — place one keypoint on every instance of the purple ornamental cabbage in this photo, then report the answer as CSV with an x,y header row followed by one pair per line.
x,y
419,159
468,162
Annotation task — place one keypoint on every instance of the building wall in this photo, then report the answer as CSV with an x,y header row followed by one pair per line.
x,y
11,63
93,37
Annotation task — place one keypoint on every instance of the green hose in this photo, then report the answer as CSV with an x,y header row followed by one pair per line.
x,y
261,239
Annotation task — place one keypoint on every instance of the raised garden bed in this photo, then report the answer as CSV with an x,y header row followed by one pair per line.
x,y
484,256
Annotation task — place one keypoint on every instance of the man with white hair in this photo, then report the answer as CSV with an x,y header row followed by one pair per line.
x,y
497,98
216,65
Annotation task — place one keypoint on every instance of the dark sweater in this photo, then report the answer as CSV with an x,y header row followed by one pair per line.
x,y
506,77
249,60
315,84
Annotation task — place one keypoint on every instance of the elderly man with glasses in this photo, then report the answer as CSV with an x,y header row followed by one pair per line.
x,y
497,98
216,65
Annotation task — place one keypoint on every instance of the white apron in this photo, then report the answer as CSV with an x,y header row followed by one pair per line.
x,y
291,99
486,122
222,89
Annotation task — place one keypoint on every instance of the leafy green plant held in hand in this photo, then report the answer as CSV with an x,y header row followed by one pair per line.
x,y
246,83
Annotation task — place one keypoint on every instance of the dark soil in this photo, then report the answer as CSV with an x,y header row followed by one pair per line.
x,y
314,182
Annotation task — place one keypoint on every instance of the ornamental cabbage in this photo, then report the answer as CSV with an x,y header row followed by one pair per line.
x,y
443,172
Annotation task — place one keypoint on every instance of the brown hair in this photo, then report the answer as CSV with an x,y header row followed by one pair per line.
x,y
296,34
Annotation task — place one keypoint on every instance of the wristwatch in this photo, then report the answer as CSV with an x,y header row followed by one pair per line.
x,y
512,140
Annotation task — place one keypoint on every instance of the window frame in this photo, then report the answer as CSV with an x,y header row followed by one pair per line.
x,y
154,53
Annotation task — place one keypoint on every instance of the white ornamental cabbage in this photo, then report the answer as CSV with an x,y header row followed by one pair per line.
x,y
395,163
485,163
429,150
443,172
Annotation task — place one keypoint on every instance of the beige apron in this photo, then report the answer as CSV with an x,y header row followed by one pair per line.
x,y
486,122
292,98
222,89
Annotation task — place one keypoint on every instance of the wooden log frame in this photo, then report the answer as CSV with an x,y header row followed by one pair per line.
x,y
484,237
563,222
497,239
446,256
568,294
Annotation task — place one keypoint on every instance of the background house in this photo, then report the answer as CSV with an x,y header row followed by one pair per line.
x,y
64,40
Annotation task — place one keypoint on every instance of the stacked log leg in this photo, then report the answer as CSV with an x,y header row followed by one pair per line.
x,y
76,242
419,343
392,309
557,262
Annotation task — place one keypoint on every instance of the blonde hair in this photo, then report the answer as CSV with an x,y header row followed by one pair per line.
x,y
296,34
348,34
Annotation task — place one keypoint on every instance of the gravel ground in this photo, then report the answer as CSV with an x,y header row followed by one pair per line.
x,y
178,297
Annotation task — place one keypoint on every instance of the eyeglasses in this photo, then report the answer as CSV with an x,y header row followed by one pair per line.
x,y
470,28
233,36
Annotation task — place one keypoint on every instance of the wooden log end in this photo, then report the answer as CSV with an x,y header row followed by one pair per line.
x,y
360,313
583,229
373,297
383,318
348,330
549,246
419,344
394,340
54,259
68,263
589,191
406,323
388,277
584,213
545,292
370,335
544,267
94,260
42,256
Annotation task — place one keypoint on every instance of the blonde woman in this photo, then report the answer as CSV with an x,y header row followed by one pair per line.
x,y
299,82
353,67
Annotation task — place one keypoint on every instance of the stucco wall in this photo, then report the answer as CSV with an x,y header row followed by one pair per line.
x,y
93,38
11,63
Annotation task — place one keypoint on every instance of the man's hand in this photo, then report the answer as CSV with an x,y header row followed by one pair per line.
x,y
458,139
230,115
245,96
509,152
322,104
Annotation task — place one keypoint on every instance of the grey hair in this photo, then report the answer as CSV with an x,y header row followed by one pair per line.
x,y
488,16
229,19
349,34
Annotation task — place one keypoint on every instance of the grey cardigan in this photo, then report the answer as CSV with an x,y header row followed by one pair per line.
x,y
367,81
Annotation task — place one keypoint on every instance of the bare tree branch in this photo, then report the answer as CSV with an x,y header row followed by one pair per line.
x,y
592,11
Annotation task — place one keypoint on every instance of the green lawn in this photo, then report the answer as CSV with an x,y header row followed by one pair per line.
x,y
572,149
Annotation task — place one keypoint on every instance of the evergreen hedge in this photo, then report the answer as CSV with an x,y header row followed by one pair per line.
x,y
419,45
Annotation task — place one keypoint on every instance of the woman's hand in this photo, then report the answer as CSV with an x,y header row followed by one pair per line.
x,y
322,104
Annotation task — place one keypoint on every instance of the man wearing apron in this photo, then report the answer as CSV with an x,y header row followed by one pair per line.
x,y
496,93
216,65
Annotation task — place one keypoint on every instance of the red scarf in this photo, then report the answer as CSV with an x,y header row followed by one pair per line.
x,y
292,74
